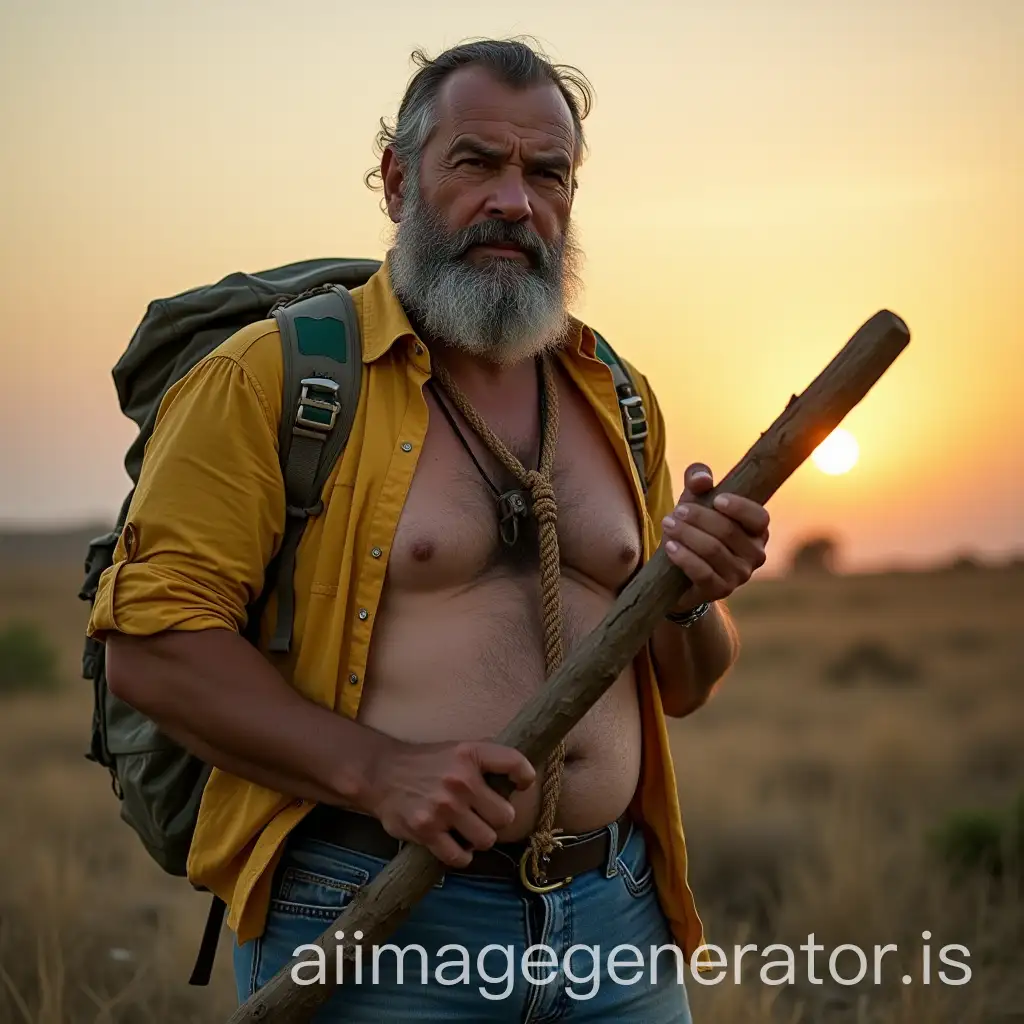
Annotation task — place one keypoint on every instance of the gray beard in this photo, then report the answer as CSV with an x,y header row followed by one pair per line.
x,y
499,310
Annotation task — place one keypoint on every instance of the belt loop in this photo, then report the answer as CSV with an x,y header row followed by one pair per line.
x,y
611,867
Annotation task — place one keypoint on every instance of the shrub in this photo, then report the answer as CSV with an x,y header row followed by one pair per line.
x,y
874,662
986,842
28,660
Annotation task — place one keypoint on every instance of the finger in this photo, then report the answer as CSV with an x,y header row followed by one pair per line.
x,y
735,568
492,757
752,517
447,850
700,574
492,807
736,542
698,478
476,832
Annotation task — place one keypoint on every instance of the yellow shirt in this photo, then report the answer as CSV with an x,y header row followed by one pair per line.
x,y
208,514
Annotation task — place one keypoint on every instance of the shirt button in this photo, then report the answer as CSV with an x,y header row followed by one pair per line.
x,y
363,613
376,552
353,679
406,446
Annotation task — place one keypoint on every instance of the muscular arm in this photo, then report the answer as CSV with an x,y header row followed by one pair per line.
x,y
690,662
216,695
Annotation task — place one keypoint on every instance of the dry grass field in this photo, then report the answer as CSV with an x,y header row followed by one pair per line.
x,y
864,712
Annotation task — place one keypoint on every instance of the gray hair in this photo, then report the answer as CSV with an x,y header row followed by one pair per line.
x,y
511,61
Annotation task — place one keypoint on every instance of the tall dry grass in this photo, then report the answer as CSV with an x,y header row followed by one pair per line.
x,y
863,712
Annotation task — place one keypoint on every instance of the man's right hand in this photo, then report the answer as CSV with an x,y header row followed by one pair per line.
x,y
421,792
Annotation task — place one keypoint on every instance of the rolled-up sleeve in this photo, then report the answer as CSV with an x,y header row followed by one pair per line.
x,y
207,514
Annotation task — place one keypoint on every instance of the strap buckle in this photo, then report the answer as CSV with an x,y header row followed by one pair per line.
x,y
540,886
634,417
318,407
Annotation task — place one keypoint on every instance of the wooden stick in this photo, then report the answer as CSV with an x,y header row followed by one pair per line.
x,y
591,667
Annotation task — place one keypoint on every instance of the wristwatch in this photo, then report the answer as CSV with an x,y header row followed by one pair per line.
x,y
687,619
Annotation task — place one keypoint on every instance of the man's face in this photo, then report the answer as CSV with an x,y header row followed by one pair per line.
x,y
484,257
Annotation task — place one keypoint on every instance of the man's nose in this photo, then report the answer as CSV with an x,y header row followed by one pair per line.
x,y
509,199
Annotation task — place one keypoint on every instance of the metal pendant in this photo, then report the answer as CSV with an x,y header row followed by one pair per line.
x,y
512,506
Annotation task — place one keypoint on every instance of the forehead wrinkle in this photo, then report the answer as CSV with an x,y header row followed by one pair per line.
x,y
493,117
535,143
507,135
473,101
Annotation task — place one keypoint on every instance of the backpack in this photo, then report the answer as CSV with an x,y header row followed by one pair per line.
x,y
158,783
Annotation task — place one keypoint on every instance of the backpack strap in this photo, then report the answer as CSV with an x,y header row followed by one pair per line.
x,y
202,971
322,354
631,405
323,360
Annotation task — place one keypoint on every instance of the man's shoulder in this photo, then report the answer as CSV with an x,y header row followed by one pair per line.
x,y
255,347
255,350
641,382
654,444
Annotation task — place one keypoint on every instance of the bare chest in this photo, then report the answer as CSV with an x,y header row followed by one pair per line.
x,y
451,533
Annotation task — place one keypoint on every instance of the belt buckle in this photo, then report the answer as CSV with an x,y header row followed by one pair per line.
x,y
538,886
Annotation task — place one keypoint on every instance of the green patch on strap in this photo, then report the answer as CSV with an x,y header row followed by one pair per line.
x,y
322,337
316,415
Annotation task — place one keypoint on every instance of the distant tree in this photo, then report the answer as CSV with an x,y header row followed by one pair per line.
x,y
816,555
28,660
965,562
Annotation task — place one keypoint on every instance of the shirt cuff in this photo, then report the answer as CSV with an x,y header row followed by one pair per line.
x,y
142,599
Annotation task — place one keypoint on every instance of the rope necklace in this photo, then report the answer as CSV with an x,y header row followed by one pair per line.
x,y
536,482
512,504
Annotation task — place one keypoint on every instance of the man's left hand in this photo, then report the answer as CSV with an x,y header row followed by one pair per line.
x,y
718,548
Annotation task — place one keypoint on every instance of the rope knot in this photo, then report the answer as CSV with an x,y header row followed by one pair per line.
x,y
543,842
545,508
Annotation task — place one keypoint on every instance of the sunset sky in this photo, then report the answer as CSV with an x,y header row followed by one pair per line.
x,y
764,175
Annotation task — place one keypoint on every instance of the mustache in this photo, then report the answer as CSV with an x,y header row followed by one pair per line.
x,y
500,232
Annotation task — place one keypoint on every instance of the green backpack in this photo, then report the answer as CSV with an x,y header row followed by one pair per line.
x,y
160,784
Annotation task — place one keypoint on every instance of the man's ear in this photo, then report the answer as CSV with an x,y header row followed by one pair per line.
x,y
393,177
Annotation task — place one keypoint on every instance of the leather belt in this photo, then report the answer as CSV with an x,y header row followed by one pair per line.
x,y
574,855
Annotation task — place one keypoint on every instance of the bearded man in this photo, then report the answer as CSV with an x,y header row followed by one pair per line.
x,y
483,518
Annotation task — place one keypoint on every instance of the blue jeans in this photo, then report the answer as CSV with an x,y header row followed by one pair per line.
x,y
460,952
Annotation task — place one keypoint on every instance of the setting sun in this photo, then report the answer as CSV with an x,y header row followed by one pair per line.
x,y
837,453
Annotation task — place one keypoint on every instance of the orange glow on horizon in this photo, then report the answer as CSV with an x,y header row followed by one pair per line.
x,y
760,180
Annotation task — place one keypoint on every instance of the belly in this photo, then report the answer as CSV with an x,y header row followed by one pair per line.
x,y
459,664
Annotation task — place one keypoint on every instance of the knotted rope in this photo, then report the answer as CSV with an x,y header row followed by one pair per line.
x,y
545,509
